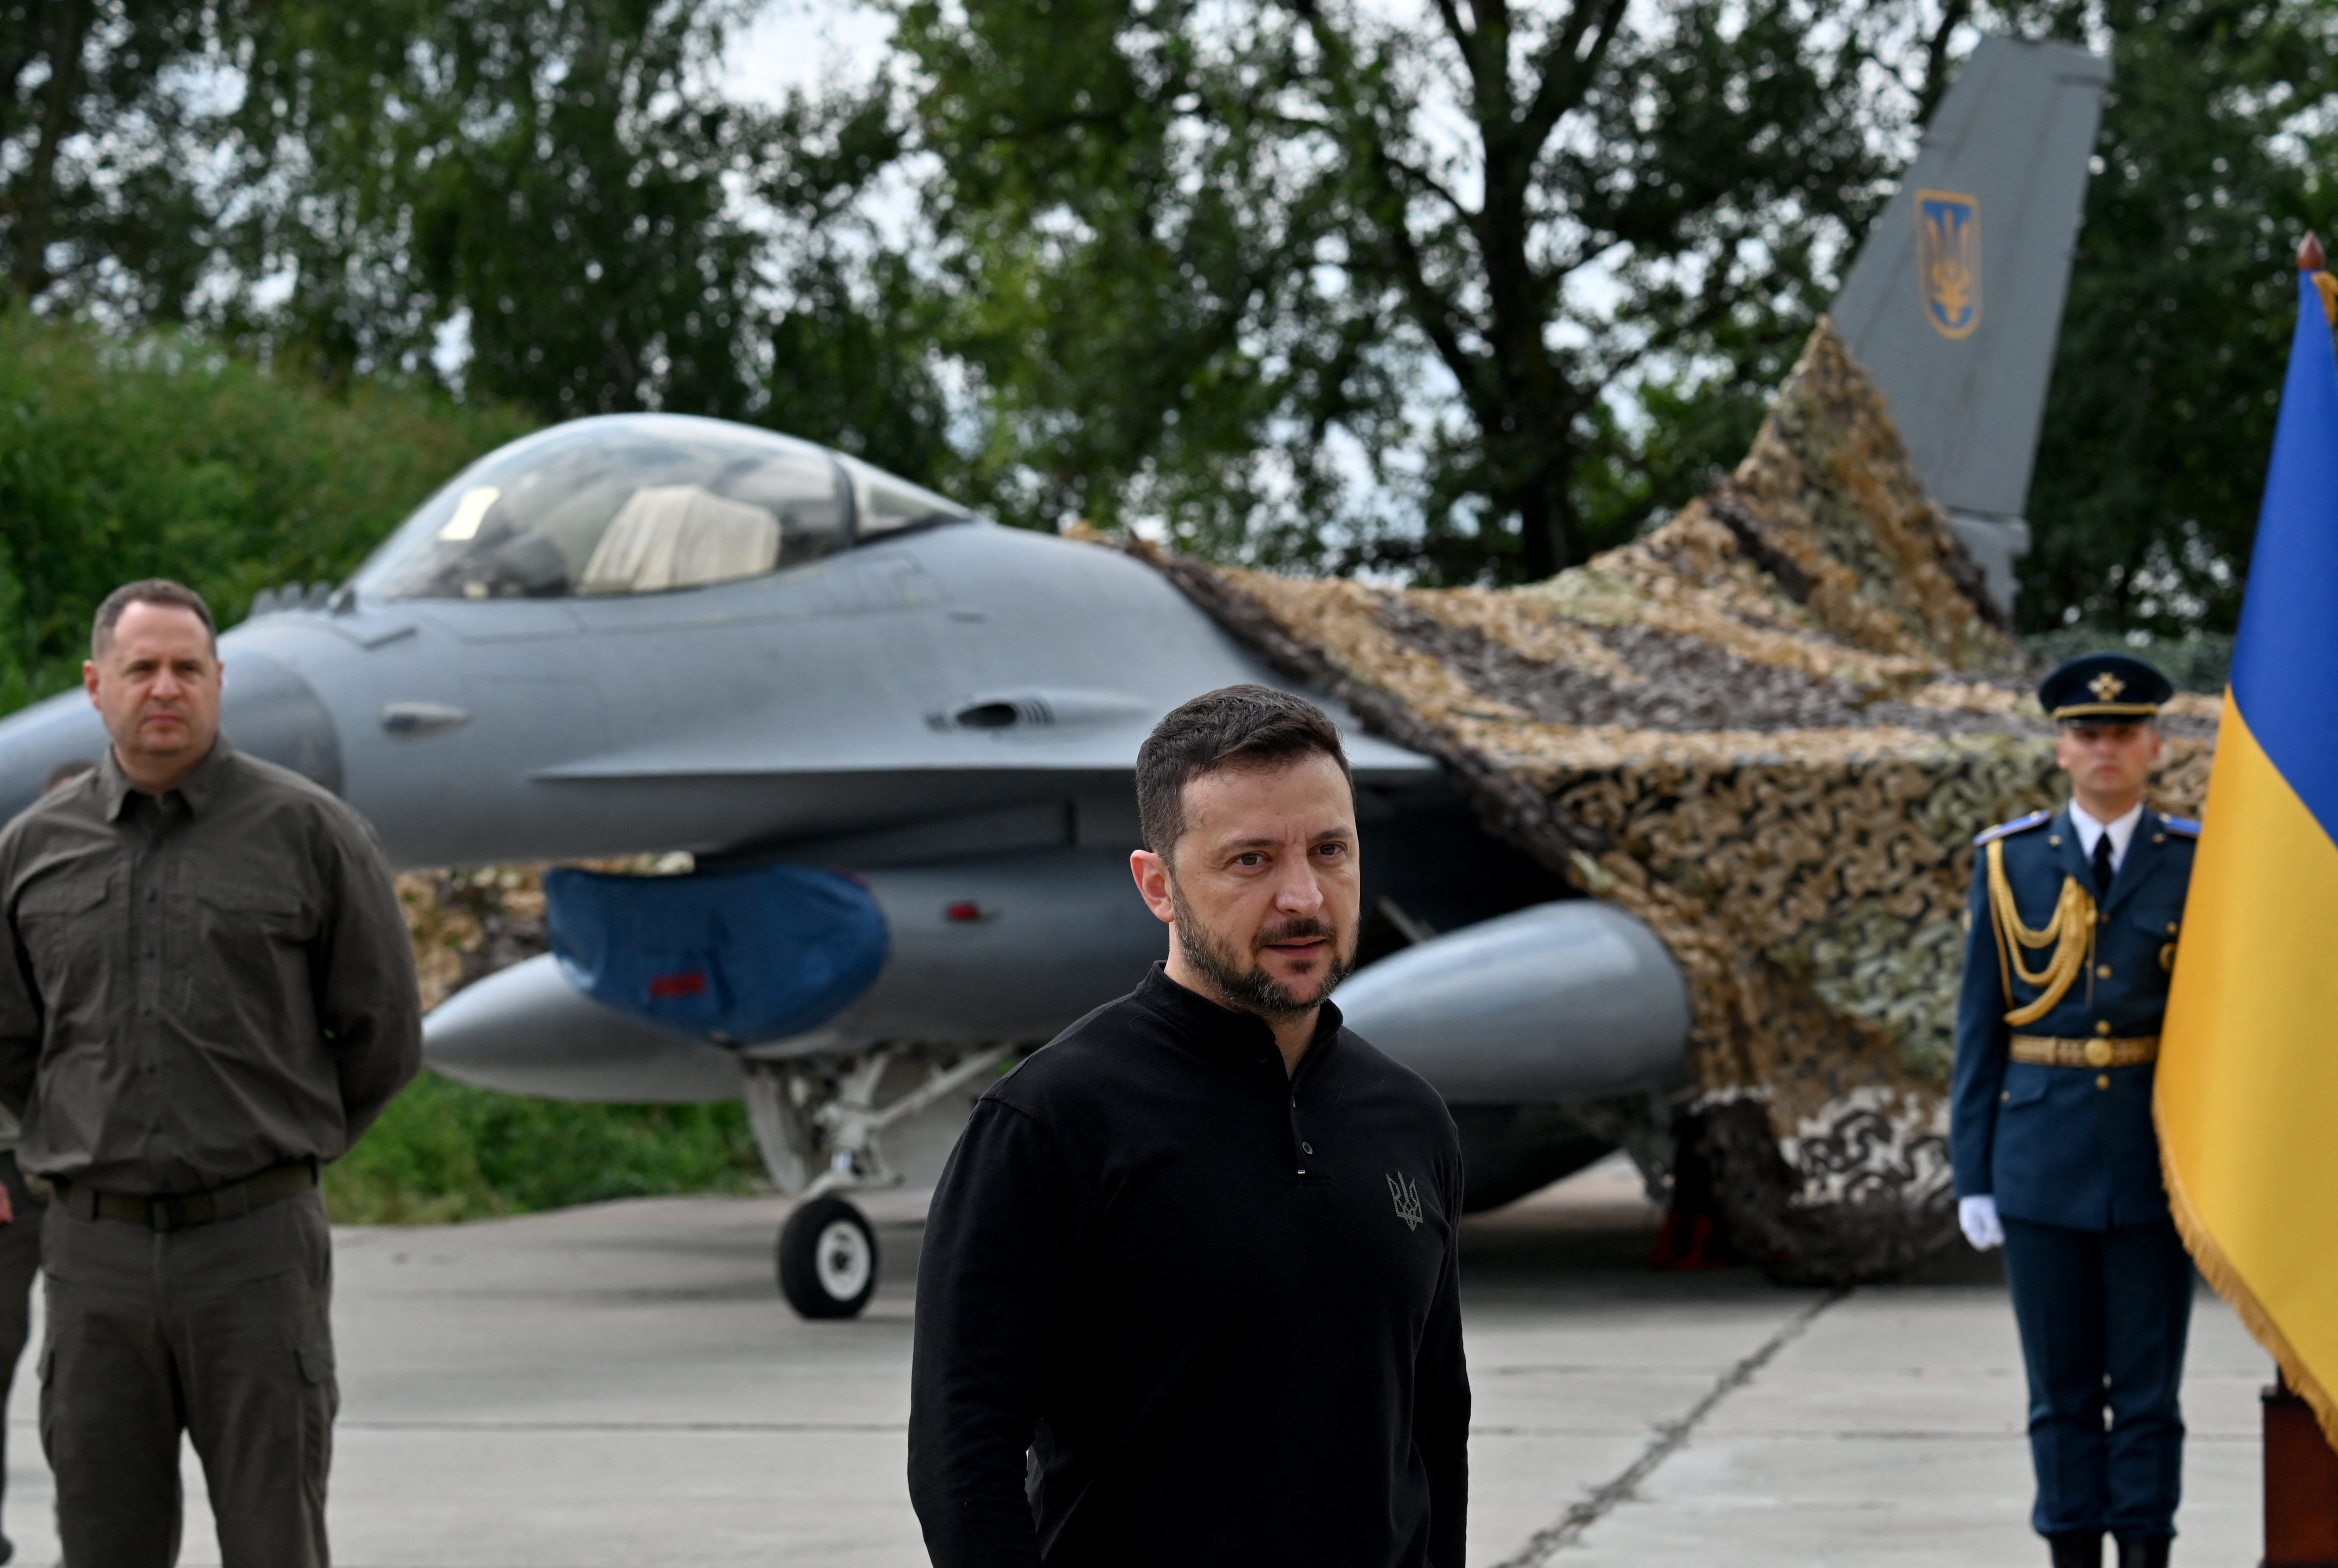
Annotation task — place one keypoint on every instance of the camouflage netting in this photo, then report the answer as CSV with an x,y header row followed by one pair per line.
x,y
467,925
1768,729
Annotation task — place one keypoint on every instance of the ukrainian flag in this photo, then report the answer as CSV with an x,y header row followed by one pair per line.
x,y
2247,1100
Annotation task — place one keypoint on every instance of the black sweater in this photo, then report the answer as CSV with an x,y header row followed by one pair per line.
x,y
1216,1306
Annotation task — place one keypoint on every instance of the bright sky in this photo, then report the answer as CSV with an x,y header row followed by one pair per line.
x,y
798,42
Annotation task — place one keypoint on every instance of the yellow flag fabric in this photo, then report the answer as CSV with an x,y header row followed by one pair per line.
x,y
2248,1087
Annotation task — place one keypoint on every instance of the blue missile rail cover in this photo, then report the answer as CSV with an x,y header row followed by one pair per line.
x,y
2019,825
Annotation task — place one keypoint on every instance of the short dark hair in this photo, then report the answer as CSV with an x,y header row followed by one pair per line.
x,y
146,591
1233,727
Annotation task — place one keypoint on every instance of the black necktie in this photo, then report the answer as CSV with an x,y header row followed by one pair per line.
x,y
2103,864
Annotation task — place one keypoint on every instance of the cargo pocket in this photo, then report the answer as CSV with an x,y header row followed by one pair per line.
x,y
49,1405
320,1401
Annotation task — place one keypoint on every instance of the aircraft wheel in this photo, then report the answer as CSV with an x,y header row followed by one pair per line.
x,y
828,1259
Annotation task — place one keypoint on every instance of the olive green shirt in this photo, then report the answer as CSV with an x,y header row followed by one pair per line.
x,y
204,984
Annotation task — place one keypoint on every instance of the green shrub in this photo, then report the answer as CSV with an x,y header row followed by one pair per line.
x,y
161,456
444,1150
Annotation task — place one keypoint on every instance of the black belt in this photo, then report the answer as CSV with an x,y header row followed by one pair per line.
x,y
232,1201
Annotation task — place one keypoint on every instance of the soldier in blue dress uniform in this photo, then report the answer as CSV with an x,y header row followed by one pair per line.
x,y
2073,924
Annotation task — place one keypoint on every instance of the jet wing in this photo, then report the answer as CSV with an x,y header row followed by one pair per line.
x,y
1034,733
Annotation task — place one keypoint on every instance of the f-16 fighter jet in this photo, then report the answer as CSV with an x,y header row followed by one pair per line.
x,y
895,742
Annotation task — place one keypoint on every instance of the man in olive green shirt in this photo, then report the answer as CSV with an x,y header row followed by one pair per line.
x,y
20,1229
212,995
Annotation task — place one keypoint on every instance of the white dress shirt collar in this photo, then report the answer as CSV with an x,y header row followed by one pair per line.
x,y
2122,831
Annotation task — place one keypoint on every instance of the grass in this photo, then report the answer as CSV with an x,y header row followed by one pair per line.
x,y
447,1151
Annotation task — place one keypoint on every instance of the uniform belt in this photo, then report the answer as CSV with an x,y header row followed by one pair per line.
x,y
232,1201
2046,1051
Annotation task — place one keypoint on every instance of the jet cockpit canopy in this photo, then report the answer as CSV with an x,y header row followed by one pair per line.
x,y
640,504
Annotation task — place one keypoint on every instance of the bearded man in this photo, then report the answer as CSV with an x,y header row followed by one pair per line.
x,y
1188,1289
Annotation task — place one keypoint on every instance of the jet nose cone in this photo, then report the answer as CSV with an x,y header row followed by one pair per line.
x,y
269,712
265,711
35,742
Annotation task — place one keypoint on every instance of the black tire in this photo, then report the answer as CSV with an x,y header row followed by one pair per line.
x,y
828,1259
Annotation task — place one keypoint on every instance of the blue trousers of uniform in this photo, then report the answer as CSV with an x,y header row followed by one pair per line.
x,y
2102,1316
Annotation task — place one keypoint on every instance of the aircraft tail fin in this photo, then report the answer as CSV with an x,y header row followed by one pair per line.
x,y
1955,302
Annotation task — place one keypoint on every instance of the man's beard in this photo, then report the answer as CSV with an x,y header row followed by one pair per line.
x,y
1237,976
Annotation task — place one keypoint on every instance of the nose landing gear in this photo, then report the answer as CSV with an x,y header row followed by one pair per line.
x,y
818,1122
827,1259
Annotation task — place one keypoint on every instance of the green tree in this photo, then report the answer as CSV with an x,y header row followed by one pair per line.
x,y
2160,417
1469,295
99,147
854,354
547,180
1221,264
165,457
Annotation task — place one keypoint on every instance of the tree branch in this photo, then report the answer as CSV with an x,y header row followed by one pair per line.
x,y
1936,58
1435,310
69,35
1567,67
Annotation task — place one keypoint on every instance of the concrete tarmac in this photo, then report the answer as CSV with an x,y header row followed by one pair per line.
x,y
620,1385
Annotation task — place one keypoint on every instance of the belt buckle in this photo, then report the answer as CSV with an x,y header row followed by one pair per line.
x,y
2099,1053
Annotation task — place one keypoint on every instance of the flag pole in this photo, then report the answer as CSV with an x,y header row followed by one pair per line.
x,y
2301,1484
2301,1469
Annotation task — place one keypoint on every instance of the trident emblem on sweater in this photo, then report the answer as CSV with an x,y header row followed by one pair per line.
x,y
1407,1200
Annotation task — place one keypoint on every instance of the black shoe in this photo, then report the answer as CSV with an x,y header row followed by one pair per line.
x,y
2079,1549
8,1549
2145,1552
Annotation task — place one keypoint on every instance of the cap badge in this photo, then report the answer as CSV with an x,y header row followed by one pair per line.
x,y
2106,687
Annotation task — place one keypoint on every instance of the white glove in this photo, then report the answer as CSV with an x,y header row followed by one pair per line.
x,y
1977,1217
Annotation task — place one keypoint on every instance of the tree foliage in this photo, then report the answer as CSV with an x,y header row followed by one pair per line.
x,y
2159,421
1221,262
101,155
550,176
167,457
1464,291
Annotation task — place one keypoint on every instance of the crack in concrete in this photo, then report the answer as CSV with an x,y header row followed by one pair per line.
x,y
1547,1543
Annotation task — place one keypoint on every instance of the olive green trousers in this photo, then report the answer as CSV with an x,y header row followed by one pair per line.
x,y
222,1332
20,1260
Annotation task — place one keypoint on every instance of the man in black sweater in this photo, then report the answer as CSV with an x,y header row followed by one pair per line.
x,y
1188,1296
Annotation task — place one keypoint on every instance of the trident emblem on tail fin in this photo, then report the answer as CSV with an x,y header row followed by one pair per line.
x,y
1948,260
